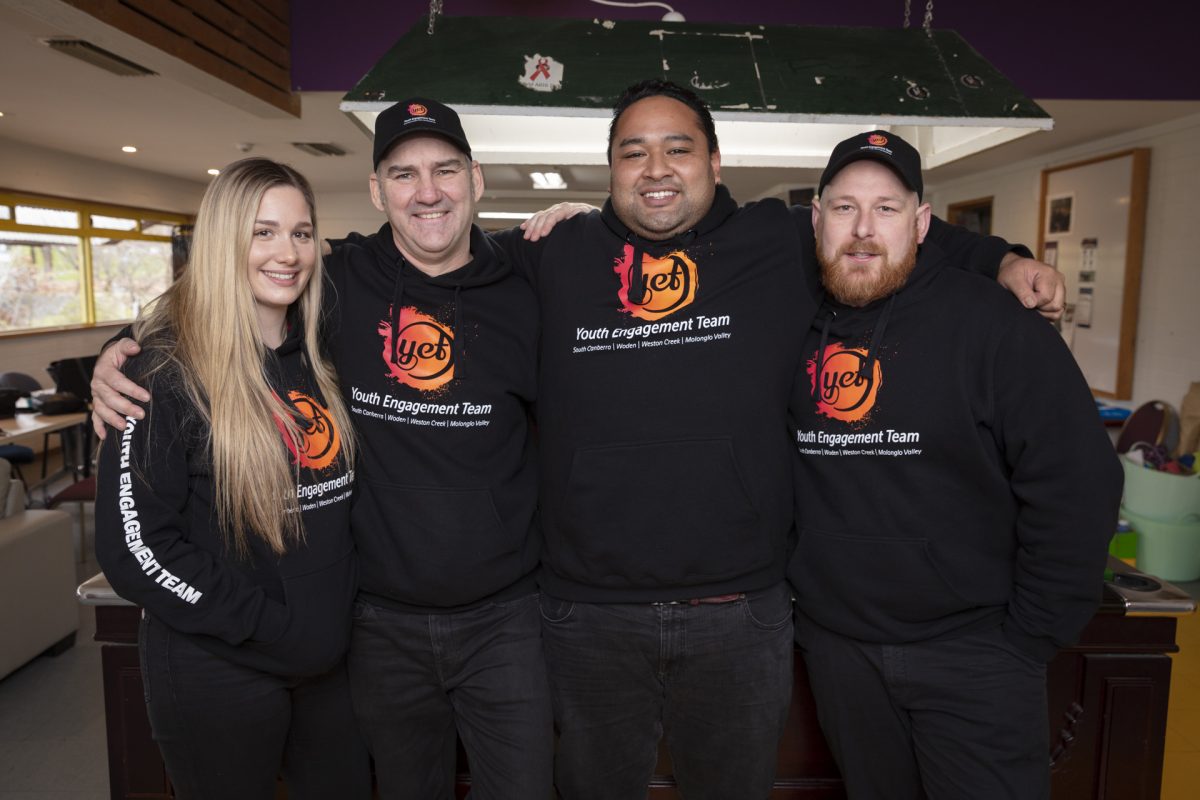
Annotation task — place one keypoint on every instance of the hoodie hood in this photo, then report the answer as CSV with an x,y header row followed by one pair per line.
x,y
488,265
722,208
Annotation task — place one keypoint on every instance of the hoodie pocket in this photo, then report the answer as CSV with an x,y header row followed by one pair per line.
x,y
871,579
662,513
435,547
317,631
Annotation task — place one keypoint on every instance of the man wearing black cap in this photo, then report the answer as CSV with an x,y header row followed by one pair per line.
x,y
955,495
434,339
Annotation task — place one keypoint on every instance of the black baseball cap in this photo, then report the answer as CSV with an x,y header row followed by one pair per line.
x,y
417,115
881,146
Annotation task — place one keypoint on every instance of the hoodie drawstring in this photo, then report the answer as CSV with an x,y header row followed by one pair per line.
x,y
459,336
819,367
637,288
397,302
868,366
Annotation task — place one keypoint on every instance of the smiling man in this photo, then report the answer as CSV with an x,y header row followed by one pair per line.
x,y
434,339
955,495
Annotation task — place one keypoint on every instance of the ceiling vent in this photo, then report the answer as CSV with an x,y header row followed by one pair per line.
x,y
98,57
319,148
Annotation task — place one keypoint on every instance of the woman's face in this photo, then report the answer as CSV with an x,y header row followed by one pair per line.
x,y
282,253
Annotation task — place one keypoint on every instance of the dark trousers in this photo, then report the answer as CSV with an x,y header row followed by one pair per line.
x,y
227,731
714,680
958,718
418,679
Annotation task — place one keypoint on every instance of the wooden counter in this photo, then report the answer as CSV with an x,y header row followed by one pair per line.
x,y
1107,714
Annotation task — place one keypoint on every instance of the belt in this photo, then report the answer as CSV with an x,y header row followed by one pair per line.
x,y
703,601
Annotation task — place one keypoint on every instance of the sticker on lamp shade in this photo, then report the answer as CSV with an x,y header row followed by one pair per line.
x,y
542,73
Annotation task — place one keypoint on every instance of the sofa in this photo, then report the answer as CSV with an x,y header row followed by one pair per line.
x,y
38,610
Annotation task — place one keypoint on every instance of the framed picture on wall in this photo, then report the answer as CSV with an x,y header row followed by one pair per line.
x,y
974,215
1060,213
1093,225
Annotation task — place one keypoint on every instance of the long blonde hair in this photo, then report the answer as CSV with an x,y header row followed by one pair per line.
x,y
206,326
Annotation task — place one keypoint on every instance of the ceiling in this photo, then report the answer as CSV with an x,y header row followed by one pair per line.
x,y
184,124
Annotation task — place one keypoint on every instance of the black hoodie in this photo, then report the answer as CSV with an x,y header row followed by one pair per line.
x,y
159,546
444,514
666,458
954,474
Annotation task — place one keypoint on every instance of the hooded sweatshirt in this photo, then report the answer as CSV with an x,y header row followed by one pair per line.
x,y
160,547
445,511
666,373
953,472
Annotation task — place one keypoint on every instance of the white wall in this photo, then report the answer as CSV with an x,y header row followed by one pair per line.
x,y
339,213
27,168
1167,350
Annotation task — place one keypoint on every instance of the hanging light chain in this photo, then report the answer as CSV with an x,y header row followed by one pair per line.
x,y
435,8
928,21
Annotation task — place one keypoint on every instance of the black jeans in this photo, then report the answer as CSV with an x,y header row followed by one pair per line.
x,y
420,679
227,731
714,680
962,717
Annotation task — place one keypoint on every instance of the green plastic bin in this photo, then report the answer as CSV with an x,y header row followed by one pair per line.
x,y
1169,550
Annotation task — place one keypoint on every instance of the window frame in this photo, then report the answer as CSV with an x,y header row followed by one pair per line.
x,y
85,232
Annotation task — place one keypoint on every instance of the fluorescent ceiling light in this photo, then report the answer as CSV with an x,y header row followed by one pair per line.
x,y
128,149
505,214
772,108
548,180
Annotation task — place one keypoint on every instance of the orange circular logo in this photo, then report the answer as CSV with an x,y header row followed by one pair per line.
x,y
417,110
668,284
844,393
320,443
877,140
421,353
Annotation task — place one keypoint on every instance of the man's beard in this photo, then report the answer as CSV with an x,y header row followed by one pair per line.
x,y
854,286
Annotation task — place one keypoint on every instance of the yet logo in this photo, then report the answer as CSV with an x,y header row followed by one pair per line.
x,y
421,353
844,393
320,443
668,284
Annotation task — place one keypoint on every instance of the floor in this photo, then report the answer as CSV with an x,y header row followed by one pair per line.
x,y
52,744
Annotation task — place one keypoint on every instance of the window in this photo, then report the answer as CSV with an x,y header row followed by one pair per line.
x,y
65,263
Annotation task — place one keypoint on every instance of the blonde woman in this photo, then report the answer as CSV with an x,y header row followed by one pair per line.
x,y
225,512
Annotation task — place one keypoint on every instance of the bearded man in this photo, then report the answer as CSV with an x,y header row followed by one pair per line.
x,y
955,496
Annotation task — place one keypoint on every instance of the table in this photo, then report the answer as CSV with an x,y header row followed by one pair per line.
x,y
1107,710
75,447
24,426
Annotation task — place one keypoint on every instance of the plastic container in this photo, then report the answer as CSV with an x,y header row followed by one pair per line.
x,y
1160,495
1168,550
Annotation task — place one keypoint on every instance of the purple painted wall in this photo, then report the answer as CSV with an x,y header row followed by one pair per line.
x,y
1051,49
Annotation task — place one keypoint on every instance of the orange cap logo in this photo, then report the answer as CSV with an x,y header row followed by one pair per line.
x,y
319,441
421,353
877,140
844,393
417,110
668,284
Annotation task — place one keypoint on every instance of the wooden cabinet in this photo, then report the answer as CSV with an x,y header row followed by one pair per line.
x,y
1107,717
135,768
